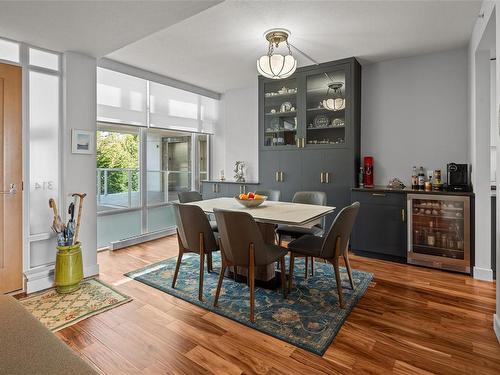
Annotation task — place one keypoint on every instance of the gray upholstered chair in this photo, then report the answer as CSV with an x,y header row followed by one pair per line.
x,y
294,232
194,235
242,245
272,195
189,196
330,248
194,196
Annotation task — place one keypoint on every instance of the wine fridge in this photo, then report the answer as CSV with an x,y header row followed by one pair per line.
x,y
439,231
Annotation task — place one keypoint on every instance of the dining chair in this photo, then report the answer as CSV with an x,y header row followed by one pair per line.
x,y
242,245
194,235
189,196
330,248
272,195
194,196
305,197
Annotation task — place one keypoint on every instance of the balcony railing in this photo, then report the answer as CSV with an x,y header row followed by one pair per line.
x,y
120,188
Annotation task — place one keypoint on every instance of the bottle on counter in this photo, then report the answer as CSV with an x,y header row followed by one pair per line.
x,y
414,179
361,177
421,178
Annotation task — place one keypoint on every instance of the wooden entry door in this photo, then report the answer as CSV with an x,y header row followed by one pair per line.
x,y
11,209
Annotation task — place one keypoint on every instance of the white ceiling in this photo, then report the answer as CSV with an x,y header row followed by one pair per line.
x,y
95,28
217,48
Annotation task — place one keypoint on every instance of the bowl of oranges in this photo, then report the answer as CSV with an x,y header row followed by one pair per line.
x,y
250,199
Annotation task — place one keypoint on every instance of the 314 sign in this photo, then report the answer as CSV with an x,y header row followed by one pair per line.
x,y
44,185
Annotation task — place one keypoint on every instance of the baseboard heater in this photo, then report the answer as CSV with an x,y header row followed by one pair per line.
x,y
126,242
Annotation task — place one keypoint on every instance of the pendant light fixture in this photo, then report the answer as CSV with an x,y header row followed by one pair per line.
x,y
274,65
336,101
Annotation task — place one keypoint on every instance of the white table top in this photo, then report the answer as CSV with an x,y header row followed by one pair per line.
x,y
270,212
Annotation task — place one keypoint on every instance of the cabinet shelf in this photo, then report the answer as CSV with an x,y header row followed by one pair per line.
x,y
323,110
280,96
438,216
438,208
282,114
327,128
280,131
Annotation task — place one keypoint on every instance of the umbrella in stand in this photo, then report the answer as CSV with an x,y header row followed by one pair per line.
x,y
57,223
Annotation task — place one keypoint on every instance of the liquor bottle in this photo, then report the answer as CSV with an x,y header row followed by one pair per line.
x,y
421,178
414,179
431,237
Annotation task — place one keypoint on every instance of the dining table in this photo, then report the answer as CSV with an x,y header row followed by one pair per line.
x,y
268,215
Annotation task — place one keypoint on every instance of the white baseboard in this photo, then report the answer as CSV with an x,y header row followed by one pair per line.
x,y
496,326
483,274
43,278
115,245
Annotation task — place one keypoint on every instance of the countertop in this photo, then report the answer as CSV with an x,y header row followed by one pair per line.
x,y
385,189
247,182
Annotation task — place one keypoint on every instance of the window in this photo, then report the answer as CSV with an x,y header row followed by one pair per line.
x,y
9,50
149,148
43,59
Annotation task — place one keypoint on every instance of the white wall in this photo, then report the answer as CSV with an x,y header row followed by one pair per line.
x,y
237,136
79,171
414,113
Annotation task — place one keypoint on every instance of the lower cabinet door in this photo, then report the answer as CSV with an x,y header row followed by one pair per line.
x,y
207,190
380,229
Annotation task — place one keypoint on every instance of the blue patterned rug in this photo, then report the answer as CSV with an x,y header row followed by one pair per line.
x,y
309,318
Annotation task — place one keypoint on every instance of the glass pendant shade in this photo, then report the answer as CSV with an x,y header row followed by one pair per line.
x,y
276,66
336,102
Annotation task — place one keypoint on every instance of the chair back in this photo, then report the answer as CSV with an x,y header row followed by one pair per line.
x,y
189,196
237,230
312,197
272,195
191,221
341,229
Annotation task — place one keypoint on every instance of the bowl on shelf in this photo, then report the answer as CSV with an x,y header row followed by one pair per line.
x,y
250,202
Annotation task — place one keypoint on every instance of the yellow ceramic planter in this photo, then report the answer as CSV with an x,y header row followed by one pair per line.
x,y
69,268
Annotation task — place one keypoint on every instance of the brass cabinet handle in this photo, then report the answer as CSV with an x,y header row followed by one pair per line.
x,y
277,176
297,142
281,176
378,194
303,142
244,189
241,190
322,177
327,178
213,188
403,218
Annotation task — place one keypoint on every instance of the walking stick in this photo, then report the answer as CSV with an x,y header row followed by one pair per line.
x,y
78,219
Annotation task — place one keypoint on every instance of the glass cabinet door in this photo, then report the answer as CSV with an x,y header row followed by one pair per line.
x,y
439,228
280,113
326,108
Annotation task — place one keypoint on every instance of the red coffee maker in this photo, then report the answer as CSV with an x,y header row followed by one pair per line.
x,y
368,171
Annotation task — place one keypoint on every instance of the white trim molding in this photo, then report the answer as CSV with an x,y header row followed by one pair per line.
x,y
115,245
496,326
43,277
483,274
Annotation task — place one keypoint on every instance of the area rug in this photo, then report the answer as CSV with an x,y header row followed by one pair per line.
x,y
57,311
309,318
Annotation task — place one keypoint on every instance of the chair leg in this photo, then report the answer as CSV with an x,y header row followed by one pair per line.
x,y
219,283
252,282
279,239
339,282
312,266
307,267
234,272
202,267
209,262
349,270
290,275
283,276
177,266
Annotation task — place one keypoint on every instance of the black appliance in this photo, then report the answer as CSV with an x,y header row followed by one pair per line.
x,y
458,177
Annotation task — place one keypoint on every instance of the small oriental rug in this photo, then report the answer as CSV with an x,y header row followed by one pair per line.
x,y
57,311
309,318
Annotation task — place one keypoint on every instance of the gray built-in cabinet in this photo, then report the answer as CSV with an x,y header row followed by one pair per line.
x,y
302,144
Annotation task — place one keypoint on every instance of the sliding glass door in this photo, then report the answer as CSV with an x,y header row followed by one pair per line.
x,y
139,173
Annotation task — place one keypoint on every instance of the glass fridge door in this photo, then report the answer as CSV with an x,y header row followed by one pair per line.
x,y
439,231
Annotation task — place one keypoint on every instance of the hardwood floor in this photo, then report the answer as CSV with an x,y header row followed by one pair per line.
x,y
411,321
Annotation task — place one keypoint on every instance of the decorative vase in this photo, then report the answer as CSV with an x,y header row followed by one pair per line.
x,y
69,268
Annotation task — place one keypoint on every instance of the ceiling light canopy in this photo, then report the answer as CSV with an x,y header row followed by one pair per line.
x,y
275,65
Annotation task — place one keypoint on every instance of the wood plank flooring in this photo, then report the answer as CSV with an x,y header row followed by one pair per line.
x,y
411,321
